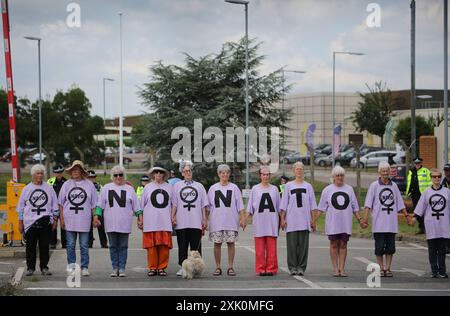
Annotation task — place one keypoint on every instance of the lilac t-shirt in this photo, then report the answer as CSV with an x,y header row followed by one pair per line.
x,y
156,204
339,203
189,198
385,201
264,205
298,201
77,199
37,201
119,203
434,205
225,203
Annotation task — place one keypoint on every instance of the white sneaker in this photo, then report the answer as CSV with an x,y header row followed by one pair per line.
x,y
85,272
70,267
180,272
122,273
114,273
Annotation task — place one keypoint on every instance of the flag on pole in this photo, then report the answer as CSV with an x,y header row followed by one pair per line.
x,y
337,139
310,135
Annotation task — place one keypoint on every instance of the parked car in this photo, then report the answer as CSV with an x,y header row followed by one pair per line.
x,y
6,157
373,159
112,159
325,150
323,161
398,175
345,157
35,158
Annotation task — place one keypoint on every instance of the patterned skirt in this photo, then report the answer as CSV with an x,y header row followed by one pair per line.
x,y
228,236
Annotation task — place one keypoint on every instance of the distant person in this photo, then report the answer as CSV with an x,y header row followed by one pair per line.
x,y
92,176
417,182
339,202
38,215
172,178
57,182
384,201
434,208
283,181
140,189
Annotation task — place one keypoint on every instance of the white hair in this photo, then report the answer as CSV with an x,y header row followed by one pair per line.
x,y
383,165
338,170
298,164
223,167
264,168
116,170
186,163
37,168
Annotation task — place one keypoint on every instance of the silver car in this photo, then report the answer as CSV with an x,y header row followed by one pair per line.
x,y
374,158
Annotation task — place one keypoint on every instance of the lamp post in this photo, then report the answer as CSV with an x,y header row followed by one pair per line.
x,y
121,99
445,81
334,98
283,71
245,4
104,121
32,38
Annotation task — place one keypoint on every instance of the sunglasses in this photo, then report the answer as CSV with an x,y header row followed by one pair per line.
x,y
437,176
159,171
118,175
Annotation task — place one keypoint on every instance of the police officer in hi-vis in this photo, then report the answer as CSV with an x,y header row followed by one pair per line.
x,y
56,182
419,179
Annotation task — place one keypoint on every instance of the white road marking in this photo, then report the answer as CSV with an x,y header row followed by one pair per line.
x,y
18,276
236,289
403,270
418,246
7,263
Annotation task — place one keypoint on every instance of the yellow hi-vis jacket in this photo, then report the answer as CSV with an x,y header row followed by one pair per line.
x,y
423,177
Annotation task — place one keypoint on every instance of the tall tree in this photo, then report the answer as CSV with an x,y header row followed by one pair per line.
x,y
403,130
210,88
375,110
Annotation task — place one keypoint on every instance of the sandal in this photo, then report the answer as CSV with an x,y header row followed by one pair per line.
x,y
388,274
162,272
230,272
151,273
336,274
217,272
343,274
382,273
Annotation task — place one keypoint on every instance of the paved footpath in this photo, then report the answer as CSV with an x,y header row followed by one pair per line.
x,y
411,273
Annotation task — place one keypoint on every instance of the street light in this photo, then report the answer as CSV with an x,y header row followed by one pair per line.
x,y
121,97
245,3
334,98
104,121
283,71
32,38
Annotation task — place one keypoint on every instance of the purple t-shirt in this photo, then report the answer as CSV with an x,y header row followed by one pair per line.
x,y
225,203
385,201
77,199
298,201
264,205
189,198
119,203
156,204
37,201
339,203
434,205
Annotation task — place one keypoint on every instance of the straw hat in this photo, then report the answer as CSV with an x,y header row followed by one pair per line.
x,y
78,163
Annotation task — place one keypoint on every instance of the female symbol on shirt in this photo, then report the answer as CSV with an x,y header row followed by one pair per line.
x,y
386,197
438,204
38,200
77,197
189,195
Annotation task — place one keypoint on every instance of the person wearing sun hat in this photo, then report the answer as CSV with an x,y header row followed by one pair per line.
x,y
156,205
77,200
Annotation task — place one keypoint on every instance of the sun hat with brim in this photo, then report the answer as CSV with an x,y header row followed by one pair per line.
x,y
155,168
78,163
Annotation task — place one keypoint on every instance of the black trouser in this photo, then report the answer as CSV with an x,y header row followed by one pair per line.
x,y
188,237
54,237
35,236
436,255
101,234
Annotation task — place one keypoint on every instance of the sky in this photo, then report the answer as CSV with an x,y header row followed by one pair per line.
x,y
301,34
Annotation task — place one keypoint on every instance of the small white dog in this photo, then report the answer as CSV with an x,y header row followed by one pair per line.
x,y
193,266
